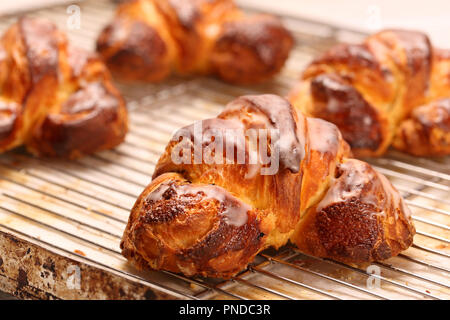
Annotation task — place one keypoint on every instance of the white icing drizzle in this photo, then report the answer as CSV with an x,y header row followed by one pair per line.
x,y
323,136
354,178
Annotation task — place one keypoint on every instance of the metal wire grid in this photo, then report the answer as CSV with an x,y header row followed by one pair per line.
x,y
81,207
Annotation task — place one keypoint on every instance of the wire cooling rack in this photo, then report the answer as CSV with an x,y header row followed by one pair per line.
x,y
61,222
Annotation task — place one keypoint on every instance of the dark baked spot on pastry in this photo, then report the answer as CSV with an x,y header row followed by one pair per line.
x,y
250,49
172,199
262,36
349,229
84,123
141,51
163,204
225,239
165,211
337,101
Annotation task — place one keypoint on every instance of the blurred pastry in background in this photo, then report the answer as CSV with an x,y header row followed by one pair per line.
x,y
149,39
392,89
55,99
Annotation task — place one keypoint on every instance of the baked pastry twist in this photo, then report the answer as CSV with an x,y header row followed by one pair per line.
x,y
210,214
56,99
148,39
394,88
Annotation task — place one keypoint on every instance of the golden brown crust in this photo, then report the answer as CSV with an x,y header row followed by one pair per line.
x,y
56,99
149,39
192,228
134,50
88,121
249,112
370,90
361,218
211,219
427,131
251,50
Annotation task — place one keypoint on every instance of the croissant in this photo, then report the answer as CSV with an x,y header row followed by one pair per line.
x,y
209,212
55,99
393,89
149,39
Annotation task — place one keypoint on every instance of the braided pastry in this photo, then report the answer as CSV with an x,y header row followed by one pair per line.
x,y
148,39
56,99
394,88
210,218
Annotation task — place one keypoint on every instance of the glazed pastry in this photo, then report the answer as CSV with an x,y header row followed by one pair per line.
x,y
426,131
390,90
55,99
209,212
149,39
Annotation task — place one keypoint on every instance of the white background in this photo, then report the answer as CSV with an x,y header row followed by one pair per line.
x,y
431,16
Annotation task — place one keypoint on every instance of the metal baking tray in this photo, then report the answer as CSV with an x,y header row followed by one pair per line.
x,y
61,222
